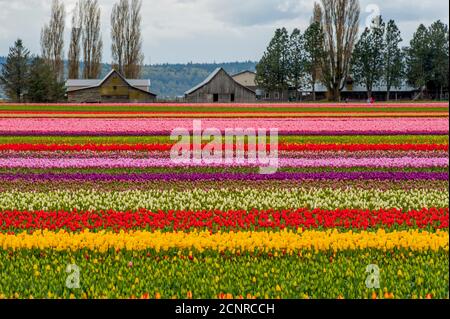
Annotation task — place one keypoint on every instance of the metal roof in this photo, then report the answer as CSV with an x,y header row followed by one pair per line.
x,y
76,84
206,81
88,83
243,72
361,88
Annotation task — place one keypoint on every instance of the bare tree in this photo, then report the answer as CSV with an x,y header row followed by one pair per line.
x,y
135,57
340,22
119,25
52,39
317,13
75,43
91,39
126,38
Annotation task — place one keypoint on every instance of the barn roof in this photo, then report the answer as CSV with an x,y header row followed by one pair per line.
x,y
209,79
243,72
205,82
87,83
78,85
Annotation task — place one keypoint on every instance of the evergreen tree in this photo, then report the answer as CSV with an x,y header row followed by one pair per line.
x,y
314,53
42,84
367,61
439,56
393,58
296,60
14,73
419,59
272,70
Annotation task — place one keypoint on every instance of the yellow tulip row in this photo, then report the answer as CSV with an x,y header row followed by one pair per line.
x,y
288,241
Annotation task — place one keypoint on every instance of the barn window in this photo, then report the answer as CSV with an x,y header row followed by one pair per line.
x,y
232,97
115,88
216,98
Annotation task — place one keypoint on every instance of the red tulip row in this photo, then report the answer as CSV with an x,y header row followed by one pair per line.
x,y
233,220
168,147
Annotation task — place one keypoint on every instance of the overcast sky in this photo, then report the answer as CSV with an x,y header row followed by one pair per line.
x,y
208,30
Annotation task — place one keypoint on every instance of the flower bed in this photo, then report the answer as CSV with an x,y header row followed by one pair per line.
x,y
101,195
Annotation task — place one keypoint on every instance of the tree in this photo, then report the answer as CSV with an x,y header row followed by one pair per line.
x,y
419,59
272,70
340,20
367,60
317,13
314,53
42,85
119,23
15,72
439,56
91,39
392,58
296,60
126,38
75,43
52,40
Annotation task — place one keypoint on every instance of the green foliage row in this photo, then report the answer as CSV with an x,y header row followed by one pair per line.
x,y
401,139
194,109
211,170
42,274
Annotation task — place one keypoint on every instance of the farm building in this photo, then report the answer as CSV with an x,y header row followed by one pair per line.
x,y
220,87
247,79
358,92
114,88
351,91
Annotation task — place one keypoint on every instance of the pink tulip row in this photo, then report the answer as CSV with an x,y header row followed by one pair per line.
x,y
100,162
166,154
148,126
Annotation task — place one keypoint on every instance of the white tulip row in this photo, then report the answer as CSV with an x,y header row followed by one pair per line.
x,y
224,199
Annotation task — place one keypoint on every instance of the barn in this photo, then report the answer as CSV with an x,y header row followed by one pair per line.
x,y
114,88
220,87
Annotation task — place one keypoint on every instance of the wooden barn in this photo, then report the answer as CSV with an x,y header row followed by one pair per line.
x,y
114,88
220,87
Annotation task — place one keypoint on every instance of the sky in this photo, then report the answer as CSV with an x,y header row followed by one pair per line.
x,y
181,31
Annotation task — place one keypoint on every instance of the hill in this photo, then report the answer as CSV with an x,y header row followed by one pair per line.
x,y
172,80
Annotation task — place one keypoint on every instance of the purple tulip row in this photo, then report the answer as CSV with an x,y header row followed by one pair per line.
x,y
393,176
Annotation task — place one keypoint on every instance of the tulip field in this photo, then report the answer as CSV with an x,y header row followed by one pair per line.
x,y
92,206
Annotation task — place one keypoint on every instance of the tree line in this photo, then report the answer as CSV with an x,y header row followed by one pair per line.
x,y
330,52
40,78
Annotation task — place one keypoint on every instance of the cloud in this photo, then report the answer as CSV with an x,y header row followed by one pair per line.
x,y
259,12
206,30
